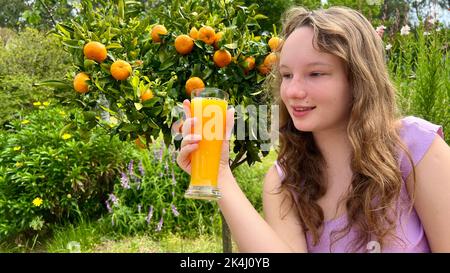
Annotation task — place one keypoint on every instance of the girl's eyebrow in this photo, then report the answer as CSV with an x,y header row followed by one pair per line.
x,y
318,63
310,64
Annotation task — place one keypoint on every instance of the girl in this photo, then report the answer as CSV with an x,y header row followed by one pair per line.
x,y
351,176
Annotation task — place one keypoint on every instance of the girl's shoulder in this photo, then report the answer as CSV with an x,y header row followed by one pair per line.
x,y
417,134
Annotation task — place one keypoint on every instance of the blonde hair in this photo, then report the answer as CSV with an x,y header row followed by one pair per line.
x,y
372,130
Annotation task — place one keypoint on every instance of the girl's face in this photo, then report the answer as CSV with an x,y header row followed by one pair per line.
x,y
314,85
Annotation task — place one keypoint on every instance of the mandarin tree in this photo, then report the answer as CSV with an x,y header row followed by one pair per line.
x,y
171,49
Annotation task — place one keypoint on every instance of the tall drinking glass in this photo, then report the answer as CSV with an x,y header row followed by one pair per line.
x,y
209,107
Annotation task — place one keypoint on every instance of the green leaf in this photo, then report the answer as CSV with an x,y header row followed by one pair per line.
x,y
152,124
114,45
166,65
138,105
62,29
231,46
130,128
71,44
260,17
108,110
54,84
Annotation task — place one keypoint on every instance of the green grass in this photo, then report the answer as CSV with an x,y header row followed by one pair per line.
x,y
94,238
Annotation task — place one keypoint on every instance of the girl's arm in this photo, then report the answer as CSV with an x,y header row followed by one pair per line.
x,y
432,194
250,231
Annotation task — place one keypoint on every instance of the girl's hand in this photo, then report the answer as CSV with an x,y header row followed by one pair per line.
x,y
190,141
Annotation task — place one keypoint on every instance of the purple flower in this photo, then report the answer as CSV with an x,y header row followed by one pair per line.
x,y
174,182
124,181
161,152
113,199
108,206
150,214
159,226
141,168
174,156
131,167
166,167
174,210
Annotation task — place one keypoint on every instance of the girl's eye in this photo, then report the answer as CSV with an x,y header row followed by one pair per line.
x,y
286,76
316,74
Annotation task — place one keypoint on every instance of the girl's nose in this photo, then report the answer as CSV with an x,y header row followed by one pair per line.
x,y
296,89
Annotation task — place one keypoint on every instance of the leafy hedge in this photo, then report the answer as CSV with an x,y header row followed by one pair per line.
x,y
52,170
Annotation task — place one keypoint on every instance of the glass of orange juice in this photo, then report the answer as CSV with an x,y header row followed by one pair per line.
x,y
209,107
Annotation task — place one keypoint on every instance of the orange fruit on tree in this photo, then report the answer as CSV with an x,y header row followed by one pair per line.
x,y
193,33
146,95
80,82
217,39
156,31
275,43
270,60
121,70
262,69
249,64
207,35
192,84
184,44
222,58
139,143
95,51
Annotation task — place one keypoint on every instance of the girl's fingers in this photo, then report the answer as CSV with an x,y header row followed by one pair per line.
x,y
185,152
190,139
187,125
187,108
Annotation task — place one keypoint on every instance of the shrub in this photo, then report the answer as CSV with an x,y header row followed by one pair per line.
x,y
51,170
149,197
152,187
418,64
26,58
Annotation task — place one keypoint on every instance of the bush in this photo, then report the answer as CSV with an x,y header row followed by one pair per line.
x,y
52,170
150,198
33,54
25,59
152,188
418,64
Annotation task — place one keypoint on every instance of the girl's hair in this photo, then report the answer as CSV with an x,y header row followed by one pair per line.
x,y
373,131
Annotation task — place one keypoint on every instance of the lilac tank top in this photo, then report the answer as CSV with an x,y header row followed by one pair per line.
x,y
417,134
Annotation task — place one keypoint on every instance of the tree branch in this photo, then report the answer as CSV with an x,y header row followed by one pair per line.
x,y
49,12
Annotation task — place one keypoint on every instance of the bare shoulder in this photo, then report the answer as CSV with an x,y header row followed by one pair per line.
x,y
432,194
280,213
272,180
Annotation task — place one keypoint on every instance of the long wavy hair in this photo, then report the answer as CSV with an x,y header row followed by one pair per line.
x,y
372,129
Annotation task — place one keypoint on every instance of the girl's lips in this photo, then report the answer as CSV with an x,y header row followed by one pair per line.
x,y
301,111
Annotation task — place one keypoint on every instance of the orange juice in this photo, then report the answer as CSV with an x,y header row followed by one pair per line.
x,y
210,113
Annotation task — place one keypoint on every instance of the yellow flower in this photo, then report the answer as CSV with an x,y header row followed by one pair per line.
x,y
17,148
46,103
38,103
66,136
19,164
37,201
25,121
